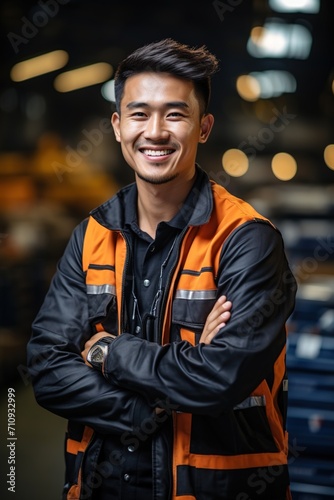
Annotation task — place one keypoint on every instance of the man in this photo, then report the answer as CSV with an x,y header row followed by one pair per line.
x,y
168,397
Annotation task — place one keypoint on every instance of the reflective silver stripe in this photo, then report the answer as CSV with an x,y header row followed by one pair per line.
x,y
250,402
196,294
98,289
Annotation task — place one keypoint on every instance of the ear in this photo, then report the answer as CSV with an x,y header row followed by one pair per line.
x,y
115,120
207,122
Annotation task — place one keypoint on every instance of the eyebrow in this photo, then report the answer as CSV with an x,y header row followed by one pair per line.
x,y
173,104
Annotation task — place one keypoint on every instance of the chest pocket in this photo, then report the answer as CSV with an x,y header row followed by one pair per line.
x,y
101,296
189,313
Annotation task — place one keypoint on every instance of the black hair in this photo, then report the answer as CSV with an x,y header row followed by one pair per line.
x,y
169,56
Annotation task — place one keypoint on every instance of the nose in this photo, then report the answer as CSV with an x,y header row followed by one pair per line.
x,y
155,128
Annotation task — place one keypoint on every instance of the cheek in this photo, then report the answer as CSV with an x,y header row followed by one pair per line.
x,y
125,149
193,132
130,133
190,138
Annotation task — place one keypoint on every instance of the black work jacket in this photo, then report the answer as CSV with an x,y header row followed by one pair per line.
x,y
227,400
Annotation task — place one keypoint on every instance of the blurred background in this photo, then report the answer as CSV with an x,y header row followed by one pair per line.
x,y
272,144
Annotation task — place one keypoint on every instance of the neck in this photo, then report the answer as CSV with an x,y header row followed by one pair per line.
x,y
157,203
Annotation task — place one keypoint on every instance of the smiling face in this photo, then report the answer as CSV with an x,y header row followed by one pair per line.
x,y
159,127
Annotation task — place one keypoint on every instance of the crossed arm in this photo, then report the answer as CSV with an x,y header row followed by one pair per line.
x,y
253,273
219,315
230,362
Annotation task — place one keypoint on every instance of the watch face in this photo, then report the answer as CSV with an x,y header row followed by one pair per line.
x,y
97,354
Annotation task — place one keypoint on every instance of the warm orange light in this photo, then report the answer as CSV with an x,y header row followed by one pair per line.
x,y
284,166
235,162
257,33
329,156
83,77
248,87
39,65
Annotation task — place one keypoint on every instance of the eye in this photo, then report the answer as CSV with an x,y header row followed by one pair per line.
x,y
175,114
138,114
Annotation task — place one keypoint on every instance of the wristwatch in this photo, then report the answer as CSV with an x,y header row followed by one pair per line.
x,y
98,352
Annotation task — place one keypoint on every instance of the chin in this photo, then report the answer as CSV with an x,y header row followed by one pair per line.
x,y
156,179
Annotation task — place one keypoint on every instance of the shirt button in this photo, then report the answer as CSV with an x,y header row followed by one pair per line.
x,y
152,248
138,329
131,448
147,283
126,477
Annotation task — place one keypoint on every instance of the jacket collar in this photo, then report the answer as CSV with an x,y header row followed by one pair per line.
x,y
196,209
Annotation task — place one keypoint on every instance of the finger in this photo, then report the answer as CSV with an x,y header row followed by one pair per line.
x,y
225,316
220,310
227,305
217,318
220,306
84,355
209,336
212,327
216,311
219,323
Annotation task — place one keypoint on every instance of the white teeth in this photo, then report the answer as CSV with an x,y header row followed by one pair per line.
x,y
153,152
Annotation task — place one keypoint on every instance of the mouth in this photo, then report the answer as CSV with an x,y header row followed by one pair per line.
x,y
157,153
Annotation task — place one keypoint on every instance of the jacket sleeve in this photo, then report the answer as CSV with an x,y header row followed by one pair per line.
x,y
62,382
255,276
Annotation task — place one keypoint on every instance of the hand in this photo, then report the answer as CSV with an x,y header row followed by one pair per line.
x,y
90,342
216,320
